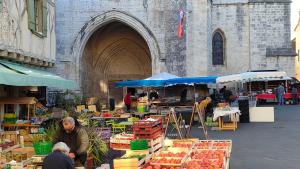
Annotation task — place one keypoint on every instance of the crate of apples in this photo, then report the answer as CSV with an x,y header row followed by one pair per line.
x,y
205,164
148,166
166,161
215,144
222,144
203,145
182,144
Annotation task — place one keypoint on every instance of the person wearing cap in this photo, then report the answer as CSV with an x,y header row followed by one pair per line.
x,y
76,137
59,158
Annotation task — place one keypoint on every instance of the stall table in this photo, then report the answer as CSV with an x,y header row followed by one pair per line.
x,y
266,96
17,126
219,113
290,95
271,96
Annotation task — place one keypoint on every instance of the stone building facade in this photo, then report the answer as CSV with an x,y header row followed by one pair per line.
x,y
27,37
220,37
18,42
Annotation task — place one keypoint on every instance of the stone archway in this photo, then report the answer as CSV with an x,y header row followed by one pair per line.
x,y
99,21
113,53
94,24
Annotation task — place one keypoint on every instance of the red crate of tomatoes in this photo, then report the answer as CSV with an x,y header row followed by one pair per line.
x,y
147,123
206,159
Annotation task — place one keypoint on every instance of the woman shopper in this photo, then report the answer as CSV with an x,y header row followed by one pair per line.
x,y
127,101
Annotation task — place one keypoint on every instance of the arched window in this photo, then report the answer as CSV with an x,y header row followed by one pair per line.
x,y
218,48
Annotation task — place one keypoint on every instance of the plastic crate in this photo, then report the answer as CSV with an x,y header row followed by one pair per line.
x,y
42,148
138,145
149,136
147,124
146,130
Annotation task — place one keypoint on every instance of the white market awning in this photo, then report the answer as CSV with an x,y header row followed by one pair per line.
x,y
254,76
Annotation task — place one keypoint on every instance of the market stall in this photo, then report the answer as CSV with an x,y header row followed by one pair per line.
x,y
222,111
157,80
10,118
267,94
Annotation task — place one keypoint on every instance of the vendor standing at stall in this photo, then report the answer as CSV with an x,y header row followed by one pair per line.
x,y
127,101
76,138
295,93
280,94
153,95
203,109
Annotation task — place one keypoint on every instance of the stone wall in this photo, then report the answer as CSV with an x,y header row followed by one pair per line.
x,y
158,17
233,21
250,28
15,37
270,28
198,24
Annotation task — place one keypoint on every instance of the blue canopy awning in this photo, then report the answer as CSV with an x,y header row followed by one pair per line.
x,y
191,80
141,83
157,80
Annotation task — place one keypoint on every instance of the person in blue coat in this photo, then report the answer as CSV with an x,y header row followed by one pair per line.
x,y
59,158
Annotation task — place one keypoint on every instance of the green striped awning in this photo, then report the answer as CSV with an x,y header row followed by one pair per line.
x,y
20,75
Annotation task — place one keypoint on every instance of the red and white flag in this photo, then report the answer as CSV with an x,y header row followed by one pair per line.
x,y
180,24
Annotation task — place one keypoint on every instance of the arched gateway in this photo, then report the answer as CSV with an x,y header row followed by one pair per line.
x,y
113,46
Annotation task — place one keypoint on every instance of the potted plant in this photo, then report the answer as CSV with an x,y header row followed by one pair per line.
x,y
98,150
41,145
43,142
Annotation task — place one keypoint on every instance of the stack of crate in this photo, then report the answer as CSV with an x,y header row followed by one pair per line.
x,y
148,129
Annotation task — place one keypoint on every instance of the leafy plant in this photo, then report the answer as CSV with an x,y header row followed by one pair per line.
x,y
98,149
51,131
36,138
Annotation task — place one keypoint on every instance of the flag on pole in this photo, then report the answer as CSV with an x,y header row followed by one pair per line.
x,y
180,24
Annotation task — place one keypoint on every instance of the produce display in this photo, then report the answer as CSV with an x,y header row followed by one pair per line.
x,y
148,166
106,115
168,161
147,129
10,118
206,159
215,144
121,141
188,154
169,158
134,156
183,144
104,133
172,154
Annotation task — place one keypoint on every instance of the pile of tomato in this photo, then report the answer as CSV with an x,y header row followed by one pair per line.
x,y
182,145
160,167
206,159
165,160
171,154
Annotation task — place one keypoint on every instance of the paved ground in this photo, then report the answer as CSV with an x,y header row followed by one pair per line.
x,y
265,145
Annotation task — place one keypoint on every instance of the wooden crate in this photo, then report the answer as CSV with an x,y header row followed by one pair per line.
x,y
10,135
126,163
28,150
213,144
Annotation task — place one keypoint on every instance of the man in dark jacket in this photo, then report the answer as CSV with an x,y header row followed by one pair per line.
x,y
76,138
58,159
